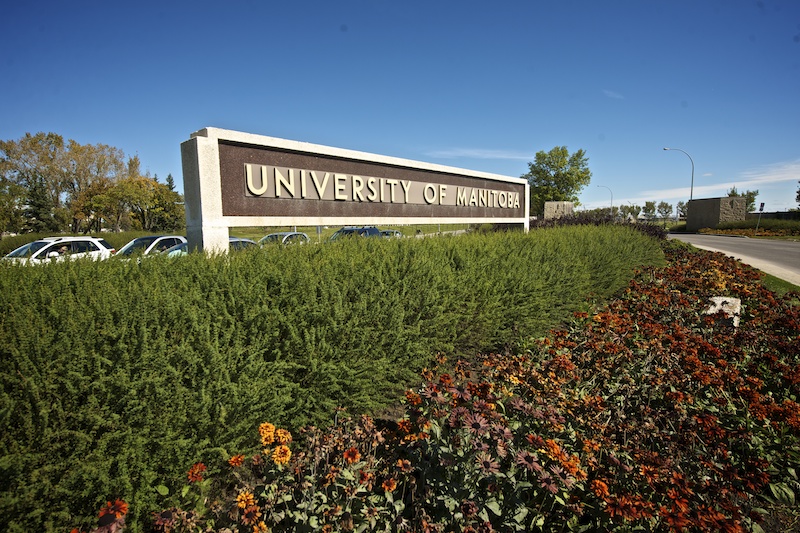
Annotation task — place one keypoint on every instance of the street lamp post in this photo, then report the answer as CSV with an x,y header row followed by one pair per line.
x,y
691,190
612,198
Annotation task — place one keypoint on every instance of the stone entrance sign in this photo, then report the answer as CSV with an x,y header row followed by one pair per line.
x,y
235,179
711,212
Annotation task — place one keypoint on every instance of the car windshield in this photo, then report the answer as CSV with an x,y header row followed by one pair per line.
x,y
296,238
240,244
271,239
344,232
136,245
29,249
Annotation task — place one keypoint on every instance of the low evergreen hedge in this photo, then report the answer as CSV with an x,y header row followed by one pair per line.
x,y
118,375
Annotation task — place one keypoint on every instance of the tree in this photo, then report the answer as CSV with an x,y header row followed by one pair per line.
x,y
49,185
35,161
38,213
750,196
681,208
137,193
12,201
89,207
664,209
86,167
630,210
649,210
153,206
797,198
168,213
557,176
66,172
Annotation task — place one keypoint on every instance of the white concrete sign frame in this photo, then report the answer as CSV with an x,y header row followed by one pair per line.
x,y
208,228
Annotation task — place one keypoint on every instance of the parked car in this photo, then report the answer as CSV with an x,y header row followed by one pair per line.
x,y
60,249
239,243
151,244
356,231
284,237
391,233
234,244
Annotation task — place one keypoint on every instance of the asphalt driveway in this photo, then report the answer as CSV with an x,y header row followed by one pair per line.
x,y
777,257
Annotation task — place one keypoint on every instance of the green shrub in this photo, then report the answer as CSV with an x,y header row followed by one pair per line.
x,y
119,374
786,227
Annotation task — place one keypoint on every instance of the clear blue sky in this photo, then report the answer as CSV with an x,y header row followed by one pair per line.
x,y
477,85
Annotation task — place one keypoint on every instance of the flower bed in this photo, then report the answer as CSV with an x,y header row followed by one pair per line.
x,y
647,414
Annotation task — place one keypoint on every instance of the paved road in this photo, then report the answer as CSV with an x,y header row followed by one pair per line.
x,y
776,257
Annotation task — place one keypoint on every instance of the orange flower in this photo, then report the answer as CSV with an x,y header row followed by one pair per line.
x,y
261,527
196,472
599,488
283,436
351,456
404,465
365,478
591,446
245,499
389,485
281,455
404,425
413,398
236,460
251,514
331,476
267,432
119,509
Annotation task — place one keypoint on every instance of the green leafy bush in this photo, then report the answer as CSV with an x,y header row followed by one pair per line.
x,y
118,374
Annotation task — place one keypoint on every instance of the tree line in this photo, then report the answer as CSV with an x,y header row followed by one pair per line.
x,y
48,185
559,176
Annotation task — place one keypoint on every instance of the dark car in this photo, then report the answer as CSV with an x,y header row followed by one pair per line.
x,y
356,231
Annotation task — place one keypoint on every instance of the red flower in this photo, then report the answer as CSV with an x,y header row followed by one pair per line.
x,y
196,472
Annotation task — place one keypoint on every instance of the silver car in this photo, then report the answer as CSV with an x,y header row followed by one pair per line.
x,y
284,237
234,244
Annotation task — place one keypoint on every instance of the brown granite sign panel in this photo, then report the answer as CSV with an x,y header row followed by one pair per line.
x,y
262,181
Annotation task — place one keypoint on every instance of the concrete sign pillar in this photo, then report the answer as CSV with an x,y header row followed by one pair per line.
x,y
235,179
